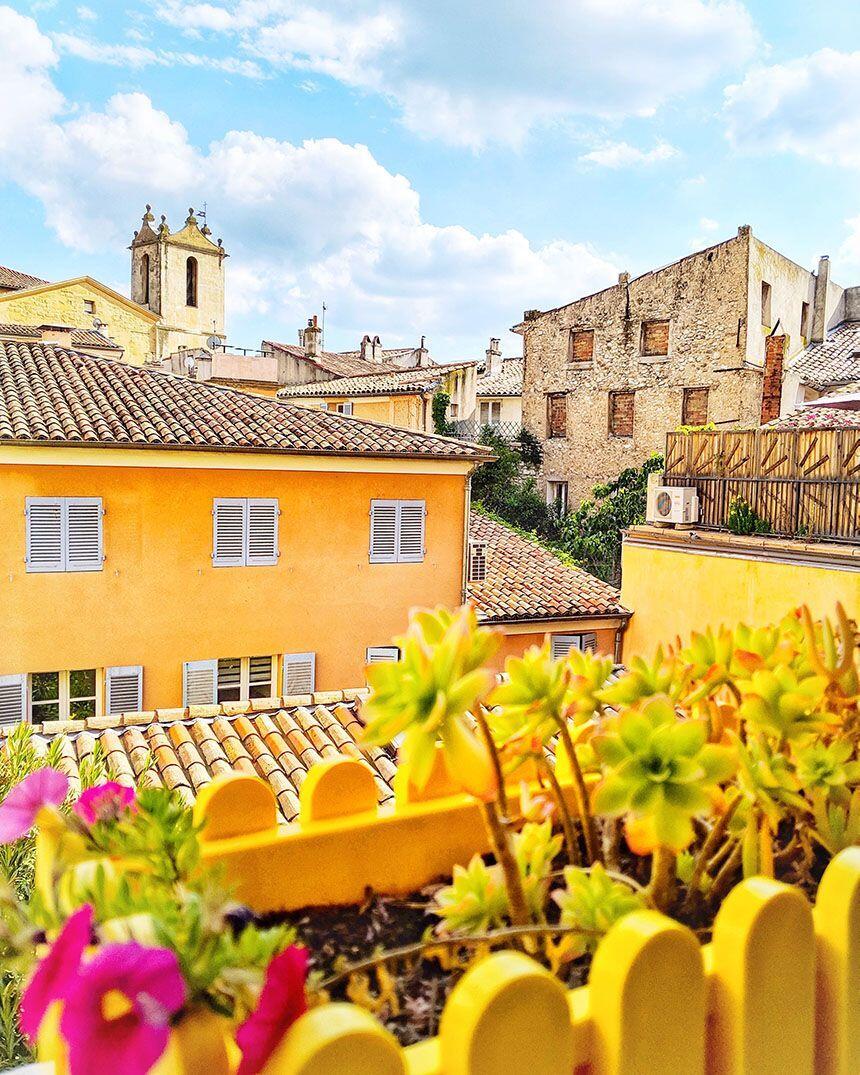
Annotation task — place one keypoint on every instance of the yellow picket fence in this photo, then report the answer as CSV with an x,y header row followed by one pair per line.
x,y
776,993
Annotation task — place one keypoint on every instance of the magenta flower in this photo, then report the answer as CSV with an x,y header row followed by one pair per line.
x,y
18,811
55,975
105,802
117,1018
281,1002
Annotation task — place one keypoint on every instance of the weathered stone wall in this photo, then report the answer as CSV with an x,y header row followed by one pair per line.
x,y
704,296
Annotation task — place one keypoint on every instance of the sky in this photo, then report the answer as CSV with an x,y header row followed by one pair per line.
x,y
426,168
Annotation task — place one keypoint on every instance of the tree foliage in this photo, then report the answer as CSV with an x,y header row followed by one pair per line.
x,y
507,487
592,533
439,408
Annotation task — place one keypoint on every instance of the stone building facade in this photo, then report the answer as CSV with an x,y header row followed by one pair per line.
x,y
606,376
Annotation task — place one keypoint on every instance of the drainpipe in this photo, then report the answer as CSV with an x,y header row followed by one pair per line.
x,y
468,508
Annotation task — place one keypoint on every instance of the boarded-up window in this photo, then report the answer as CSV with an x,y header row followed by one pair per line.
x,y
621,413
765,304
556,414
655,337
694,411
581,344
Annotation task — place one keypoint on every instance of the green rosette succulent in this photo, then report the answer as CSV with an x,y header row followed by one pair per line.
x,y
781,703
475,901
661,772
593,902
664,675
828,768
532,699
588,674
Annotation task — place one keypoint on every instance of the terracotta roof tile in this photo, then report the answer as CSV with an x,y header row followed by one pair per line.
x,y
525,581
400,382
12,280
48,393
507,382
343,364
81,337
186,751
835,361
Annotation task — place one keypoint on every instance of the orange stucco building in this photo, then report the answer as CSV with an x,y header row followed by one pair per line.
x,y
167,543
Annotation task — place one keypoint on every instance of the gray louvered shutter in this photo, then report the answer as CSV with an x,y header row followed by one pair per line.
x,y
410,532
383,531
375,654
589,642
299,673
83,533
44,533
13,700
562,644
228,532
124,689
199,680
262,532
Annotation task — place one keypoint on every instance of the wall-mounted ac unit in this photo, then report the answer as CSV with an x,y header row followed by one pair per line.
x,y
672,504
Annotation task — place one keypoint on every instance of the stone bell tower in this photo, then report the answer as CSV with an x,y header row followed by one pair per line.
x,y
179,276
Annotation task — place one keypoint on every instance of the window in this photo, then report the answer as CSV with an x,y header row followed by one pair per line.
x,y
556,414
299,673
561,645
245,532
375,654
694,409
13,700
124,689
581,345
344,408
397,531
556,495
804,320
62,695
191,282
453,410
229,679
144,279
621,414
64,533
89,307
765,304
491,412
655,338
477,561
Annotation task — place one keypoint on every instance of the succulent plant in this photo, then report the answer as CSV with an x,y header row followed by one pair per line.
x,y
475,901
593,901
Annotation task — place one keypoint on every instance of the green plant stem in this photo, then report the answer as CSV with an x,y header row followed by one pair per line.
x,y
723,880
661,887
570,837
592,850
505,857
502,794
709,847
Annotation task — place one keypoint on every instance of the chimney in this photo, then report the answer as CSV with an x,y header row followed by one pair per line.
x,y
494,358
60,334
531,315
771,389
744,231
364,348
376,350
309,338
819,302
623,279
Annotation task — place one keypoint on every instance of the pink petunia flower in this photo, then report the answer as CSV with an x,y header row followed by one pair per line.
x,y
55,975
18,811
117,1018
281,1002
105,802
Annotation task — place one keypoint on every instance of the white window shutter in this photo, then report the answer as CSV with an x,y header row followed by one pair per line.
x,y
410,548
44,534
563,644
13,700
383,531
228,532
346,408
299,673
262,532
84,534
124,689
199,680
589,642
375,654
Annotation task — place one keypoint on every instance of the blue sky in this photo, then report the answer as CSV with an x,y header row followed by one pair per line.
x,y
426,168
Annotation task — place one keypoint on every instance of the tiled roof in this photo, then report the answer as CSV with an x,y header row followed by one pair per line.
x,y
817,418
508,382
81,337
835,361
50,394
525,581
400,382
276,739
12,280
347,364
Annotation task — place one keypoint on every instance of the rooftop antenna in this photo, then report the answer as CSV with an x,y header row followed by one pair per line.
x,y
322,342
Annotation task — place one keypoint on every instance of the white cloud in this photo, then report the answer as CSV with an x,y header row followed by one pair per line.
x,y
707,225
138,56
320,219
807,106
470,75
86,14
623,155
849,251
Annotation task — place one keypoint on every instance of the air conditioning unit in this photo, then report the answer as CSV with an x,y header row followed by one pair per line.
x,y
672,504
